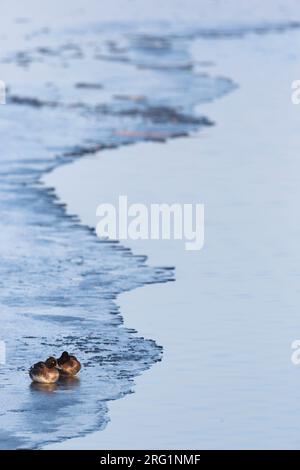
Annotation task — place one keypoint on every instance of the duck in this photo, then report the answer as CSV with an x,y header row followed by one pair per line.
x,y
51,362
68,365
44,372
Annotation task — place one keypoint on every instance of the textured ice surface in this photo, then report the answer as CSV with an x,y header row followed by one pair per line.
x,y
73,92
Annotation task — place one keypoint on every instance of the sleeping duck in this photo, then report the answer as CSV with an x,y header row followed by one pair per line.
x,y
44,372
68,364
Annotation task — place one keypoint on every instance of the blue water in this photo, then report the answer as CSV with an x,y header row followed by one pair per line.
x,y
72,93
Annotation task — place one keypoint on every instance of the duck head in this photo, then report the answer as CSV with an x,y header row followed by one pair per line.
x,y
41,373
68,364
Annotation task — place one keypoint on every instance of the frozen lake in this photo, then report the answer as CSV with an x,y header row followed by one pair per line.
x,y
205,98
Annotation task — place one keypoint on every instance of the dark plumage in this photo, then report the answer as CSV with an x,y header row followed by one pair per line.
x,y
68,364
44,373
